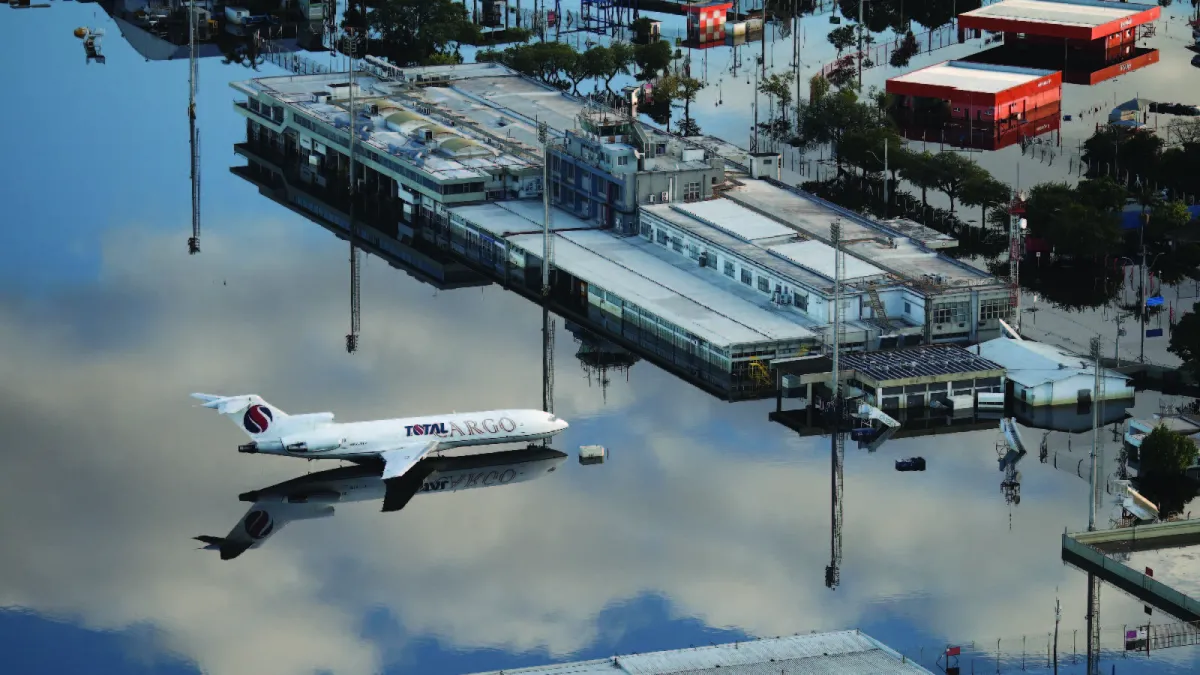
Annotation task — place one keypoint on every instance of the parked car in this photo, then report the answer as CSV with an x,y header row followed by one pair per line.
x,y
911,464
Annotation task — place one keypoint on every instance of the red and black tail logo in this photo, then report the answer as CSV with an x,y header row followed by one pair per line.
x,y
257,419
258,524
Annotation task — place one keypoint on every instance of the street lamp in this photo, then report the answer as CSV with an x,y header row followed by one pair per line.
x,y
886,203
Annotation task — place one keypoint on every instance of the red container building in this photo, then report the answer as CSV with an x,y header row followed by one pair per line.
x,y
1096,25
706,22
976,104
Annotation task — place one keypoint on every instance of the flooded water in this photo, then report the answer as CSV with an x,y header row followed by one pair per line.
x,y
706,523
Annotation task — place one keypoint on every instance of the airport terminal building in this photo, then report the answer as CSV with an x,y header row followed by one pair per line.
x,y
698,259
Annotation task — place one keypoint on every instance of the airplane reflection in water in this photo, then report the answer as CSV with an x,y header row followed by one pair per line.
x,y
313,496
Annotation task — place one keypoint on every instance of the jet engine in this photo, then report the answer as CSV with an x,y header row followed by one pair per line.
x,y
313,442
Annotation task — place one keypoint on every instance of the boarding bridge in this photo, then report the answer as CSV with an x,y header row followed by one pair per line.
x,y
1012,436
1134,502
870,412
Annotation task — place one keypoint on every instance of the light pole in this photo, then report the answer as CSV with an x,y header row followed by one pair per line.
x,y
1142,301
886,203
1120,319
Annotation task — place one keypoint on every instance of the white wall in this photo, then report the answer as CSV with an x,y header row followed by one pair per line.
x,y
1066,391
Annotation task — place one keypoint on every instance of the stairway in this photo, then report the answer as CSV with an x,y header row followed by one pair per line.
x,y
877,307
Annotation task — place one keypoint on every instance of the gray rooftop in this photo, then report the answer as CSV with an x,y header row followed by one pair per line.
x,y
901,364
844,652
862,238
631,269
458,150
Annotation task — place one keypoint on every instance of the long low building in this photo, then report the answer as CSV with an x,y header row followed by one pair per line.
x,y
844,652
713,270
1087,22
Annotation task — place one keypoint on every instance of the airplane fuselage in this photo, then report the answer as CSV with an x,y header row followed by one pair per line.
x,y
317,436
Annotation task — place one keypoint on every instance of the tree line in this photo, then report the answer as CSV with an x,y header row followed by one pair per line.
x,y
562,66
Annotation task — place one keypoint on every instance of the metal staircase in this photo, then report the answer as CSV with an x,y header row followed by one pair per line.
x,y
877,307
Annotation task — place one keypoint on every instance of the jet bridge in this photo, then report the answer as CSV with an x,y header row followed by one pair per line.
x,y
870,412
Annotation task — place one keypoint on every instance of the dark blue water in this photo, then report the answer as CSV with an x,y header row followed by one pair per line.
x,y
707,523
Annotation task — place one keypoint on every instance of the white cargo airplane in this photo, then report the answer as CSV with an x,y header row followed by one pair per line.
x,y
314,496
400,443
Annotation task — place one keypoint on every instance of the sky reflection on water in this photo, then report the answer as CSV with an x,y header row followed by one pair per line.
x,y
707,523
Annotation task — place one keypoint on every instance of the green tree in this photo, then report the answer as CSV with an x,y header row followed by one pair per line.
x,y
984,191
679,87
641,30
904,51
828,120
577,68
1165,453
1168,217
652,59
1102,194
779,88
952,171
619,62
1185,340
818,87
411,31
920,169
1121,152
1076,222
863,147
843,38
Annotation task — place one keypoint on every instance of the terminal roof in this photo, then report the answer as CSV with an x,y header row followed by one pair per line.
x,y
627,267
861,238
932,361
431,139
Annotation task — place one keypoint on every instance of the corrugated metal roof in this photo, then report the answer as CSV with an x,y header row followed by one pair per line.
x,y
734,658
1032,363
844,652
898,364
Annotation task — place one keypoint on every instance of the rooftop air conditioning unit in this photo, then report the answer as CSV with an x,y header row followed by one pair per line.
x,y
372,109
666,196
652,199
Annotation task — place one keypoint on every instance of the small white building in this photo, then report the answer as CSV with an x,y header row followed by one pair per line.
x,y
1044,375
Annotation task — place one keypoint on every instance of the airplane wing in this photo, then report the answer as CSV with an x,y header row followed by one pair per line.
x,y
404,471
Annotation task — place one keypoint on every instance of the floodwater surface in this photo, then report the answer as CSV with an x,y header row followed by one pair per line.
x,y
707,522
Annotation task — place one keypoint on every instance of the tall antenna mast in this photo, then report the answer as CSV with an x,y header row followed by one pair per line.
x,y
1093,615
193,132
547,253
837,450
836,238
350,44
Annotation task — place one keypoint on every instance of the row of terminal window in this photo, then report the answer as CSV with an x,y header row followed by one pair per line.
x,y
800,300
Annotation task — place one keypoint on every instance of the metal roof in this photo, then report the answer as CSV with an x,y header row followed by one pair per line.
x,y
844,652
975,77
1089,13
1031,363
735,219
917,362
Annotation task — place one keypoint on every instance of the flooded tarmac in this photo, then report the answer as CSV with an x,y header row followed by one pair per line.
x,y
707,522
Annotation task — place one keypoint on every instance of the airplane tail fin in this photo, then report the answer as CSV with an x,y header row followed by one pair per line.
x,y
249,411
262,520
